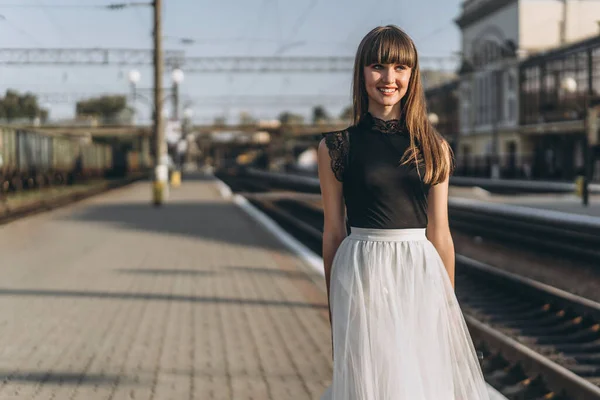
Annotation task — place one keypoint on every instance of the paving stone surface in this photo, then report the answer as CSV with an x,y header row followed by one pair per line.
x,y
112,298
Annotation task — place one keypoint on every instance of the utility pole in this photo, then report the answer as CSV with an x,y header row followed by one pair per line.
x,y
563,23
161,169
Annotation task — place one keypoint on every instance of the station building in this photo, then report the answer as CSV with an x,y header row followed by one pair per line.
x,y
513,116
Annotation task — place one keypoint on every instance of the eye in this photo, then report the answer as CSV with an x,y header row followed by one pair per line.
x,y
401,67
376,66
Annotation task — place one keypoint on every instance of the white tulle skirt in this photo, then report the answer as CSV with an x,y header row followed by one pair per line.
x,y
398,331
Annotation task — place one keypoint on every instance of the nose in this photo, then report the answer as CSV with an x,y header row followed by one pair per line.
x,y
387,75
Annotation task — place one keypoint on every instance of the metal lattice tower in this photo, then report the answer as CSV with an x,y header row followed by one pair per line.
x,y
178,59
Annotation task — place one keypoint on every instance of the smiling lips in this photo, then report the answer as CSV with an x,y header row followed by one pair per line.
x,y
387,91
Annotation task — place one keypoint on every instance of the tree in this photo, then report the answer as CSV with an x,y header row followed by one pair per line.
x,y
44,115
106,107
14,105
319,114
287,118
347,113
220,121
11,106
246,118
28,105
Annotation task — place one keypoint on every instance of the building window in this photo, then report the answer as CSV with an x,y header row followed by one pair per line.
x,y
477,101
488,98
481,102
499,96
512,109
530,94
511,82
465,118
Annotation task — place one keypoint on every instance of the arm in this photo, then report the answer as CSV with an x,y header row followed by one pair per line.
x,y
438,228
334,228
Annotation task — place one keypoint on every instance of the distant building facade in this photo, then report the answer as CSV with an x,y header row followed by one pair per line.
x,y
442,100
495,83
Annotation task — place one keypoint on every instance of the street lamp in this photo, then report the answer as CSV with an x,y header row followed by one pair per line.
x,y
433,119
134,78
569,85
164,113
177,77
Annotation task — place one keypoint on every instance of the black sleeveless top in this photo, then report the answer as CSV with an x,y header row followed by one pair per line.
x,y
379,192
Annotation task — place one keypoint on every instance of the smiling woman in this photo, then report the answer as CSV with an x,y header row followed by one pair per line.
x,y
397,329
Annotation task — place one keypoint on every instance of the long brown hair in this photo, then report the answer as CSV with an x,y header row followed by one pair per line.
x,y
391,45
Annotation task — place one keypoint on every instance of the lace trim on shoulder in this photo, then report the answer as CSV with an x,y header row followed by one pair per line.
x,y
337,144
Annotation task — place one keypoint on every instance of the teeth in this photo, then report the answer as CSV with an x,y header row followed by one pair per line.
x,y
387,90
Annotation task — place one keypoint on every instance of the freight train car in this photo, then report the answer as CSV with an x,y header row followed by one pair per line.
x,y
30,159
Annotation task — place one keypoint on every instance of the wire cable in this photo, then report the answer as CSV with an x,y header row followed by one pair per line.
x,y
21,31
57,28
52,6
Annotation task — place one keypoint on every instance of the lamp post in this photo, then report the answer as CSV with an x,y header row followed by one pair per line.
x,y
569,85
433,119
134,78
177,77
184,144
188,113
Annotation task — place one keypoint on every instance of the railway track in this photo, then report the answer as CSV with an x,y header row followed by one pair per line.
x,y
537,342
561,234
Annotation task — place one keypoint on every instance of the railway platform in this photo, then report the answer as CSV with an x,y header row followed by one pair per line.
x,y
112,298
561,202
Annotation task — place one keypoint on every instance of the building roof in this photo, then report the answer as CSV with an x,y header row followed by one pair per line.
x,y
563,51
475,10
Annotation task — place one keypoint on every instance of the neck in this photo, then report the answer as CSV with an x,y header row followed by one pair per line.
x,y
385,113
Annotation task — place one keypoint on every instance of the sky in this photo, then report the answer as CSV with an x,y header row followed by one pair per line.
x,y
219,28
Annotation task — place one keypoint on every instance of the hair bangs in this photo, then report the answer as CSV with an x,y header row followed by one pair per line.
x,y
390,46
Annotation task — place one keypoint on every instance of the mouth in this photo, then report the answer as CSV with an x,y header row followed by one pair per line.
x,y
387,91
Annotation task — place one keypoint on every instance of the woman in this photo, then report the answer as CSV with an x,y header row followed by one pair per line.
x,y
398,332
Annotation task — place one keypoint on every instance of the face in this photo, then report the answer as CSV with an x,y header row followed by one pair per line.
x,y
386,84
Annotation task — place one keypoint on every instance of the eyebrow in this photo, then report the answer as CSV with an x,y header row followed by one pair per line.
x,y
393,63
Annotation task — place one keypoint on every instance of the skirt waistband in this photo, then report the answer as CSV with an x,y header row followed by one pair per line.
x,y
387,234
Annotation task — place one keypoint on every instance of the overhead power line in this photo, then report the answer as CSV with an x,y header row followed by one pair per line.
x,y
21,31
114,6
177,59
267,64
57,27
216,101
79,57
90,6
